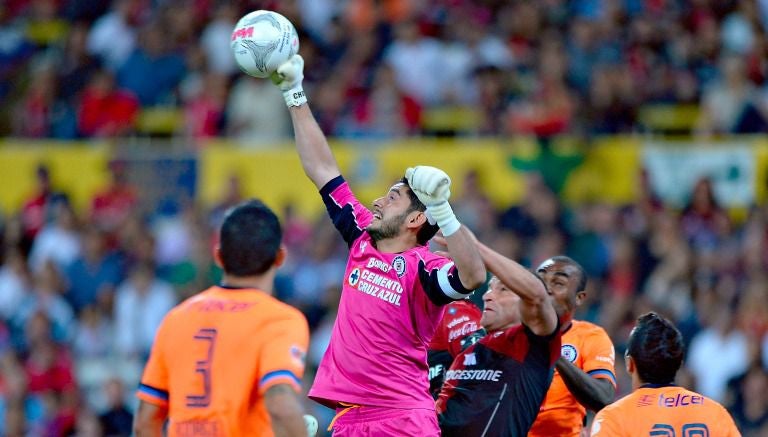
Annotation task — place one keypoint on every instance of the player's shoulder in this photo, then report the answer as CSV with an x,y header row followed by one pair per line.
x,y
584,328
460,307
621,406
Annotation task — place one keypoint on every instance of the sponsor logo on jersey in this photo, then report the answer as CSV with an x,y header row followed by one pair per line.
x,y
378,264
470,359
478,375
680,400
464,330
646,400
354,277
399,264
436,371
298,355
376,285
455,322
568,351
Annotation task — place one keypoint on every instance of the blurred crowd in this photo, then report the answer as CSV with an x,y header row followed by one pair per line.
x,y
82,293
83,69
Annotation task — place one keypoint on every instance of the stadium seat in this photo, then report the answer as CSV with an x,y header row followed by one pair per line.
x,y
451,120
160,121
669,118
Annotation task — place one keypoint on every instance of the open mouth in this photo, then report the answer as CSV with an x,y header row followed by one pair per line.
x,y
377,215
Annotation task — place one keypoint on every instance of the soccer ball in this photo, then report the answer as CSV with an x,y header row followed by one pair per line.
x,y
262,41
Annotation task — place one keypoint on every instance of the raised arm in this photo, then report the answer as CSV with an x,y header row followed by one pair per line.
x,y
432,186
536,309
315,153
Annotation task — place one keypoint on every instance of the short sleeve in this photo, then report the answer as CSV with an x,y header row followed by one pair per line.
x,y
599,356
604,426
282,359
154,381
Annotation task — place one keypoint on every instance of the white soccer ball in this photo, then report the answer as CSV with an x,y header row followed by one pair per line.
x,y
262,41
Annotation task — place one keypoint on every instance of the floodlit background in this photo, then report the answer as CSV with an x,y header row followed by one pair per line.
x,y
628,134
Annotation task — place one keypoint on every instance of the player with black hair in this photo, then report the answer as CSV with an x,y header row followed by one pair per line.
x,y
657,407
374,372
229,360
584,374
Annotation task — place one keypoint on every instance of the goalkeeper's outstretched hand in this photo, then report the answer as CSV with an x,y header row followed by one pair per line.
x,y
289,77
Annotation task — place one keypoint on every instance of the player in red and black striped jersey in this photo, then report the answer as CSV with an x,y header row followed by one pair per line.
x,y
496,386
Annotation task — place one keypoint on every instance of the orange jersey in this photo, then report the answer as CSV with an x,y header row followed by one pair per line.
x,y
665,411
587,346
216,354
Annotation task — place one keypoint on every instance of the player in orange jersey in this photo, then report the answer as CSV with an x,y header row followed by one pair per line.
x,y
229,361
657,407
584,374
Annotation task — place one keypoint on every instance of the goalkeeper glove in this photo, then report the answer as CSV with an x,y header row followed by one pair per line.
x,y
288,78
432,186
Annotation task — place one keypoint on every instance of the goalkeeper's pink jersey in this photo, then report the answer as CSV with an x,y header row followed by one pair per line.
x,y
391,304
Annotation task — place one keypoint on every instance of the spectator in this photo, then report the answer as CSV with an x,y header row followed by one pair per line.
x,y
113,36
116,420
140,305
250,112
721,339
92,278
154,57
58,242
216,37
112,206
37,209
106,111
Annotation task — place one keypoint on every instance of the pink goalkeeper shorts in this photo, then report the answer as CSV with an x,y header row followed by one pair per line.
x,y
361,421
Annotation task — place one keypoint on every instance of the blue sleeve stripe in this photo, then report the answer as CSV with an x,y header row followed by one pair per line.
x,y
155,392
602,372
279,374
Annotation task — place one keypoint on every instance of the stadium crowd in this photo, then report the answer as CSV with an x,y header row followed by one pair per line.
x,y
74,69
82,292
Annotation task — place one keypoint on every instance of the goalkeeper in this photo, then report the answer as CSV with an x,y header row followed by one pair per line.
x,y
374,373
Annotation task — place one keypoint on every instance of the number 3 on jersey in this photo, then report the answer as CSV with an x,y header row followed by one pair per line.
x,y
688,430
203,367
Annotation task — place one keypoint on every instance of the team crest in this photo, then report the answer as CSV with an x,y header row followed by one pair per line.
x,y
298,355
569,352
399,265
354,276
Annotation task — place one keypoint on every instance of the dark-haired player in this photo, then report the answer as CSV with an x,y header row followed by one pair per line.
x,y
657,407
229,360
496,386
584,374
374,372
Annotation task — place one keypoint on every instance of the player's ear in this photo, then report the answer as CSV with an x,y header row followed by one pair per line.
x,y
416,219
217,256
580,296
629,363
282,252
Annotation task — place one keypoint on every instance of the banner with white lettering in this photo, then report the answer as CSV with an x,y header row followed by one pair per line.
x,y
674,168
